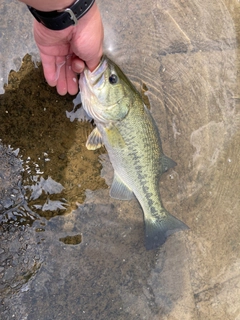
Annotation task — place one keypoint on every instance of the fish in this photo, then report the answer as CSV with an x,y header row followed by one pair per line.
x,y
125,126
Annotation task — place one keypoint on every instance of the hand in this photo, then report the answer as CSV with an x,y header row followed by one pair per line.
x,y
64,53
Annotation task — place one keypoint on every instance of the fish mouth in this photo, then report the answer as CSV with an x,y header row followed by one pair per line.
x,y
96,79
92,82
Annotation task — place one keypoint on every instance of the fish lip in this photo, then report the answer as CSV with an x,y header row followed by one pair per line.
x,y
89,79
93,77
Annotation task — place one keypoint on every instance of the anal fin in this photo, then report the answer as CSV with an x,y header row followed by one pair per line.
x,y
119,190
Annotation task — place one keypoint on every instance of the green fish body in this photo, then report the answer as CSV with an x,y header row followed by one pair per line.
x,y
127,129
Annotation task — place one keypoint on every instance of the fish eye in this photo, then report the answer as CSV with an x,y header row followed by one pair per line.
x,y
113,78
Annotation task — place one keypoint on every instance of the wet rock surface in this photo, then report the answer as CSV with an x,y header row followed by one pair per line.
x,y
11,193
19,261
19,258
105,276
13,206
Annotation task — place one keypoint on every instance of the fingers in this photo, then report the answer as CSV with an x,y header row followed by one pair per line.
x,y
49,69
71,77
77,65
94,62
60,75
58,72
66,77
64,53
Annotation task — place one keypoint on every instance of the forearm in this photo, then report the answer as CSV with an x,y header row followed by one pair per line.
x,y
46,5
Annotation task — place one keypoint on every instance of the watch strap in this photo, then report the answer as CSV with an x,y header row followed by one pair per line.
x,y
59,20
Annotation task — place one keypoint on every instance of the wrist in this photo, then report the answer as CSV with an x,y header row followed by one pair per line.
x,y
46,5
62,19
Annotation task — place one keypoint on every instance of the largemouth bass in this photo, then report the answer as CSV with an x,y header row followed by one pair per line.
x,y
127,129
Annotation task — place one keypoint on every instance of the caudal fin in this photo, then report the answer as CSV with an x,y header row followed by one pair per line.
x,y
157,230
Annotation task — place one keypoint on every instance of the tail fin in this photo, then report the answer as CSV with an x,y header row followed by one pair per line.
x,y
157,231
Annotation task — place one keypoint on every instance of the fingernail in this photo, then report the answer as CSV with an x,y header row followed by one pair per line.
x,y
78,67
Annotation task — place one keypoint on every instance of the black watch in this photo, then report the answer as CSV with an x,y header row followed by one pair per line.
x,y
59,20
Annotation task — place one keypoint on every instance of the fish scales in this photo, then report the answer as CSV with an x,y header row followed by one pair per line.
x,y
142,169
127,129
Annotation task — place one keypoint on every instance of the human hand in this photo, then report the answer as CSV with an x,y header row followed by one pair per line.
x,y
64,53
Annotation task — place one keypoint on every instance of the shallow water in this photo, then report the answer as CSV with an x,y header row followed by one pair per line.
x,y
57,167
90,263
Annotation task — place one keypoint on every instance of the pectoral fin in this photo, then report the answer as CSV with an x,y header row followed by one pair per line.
x,y
94,140
114,137
119,190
